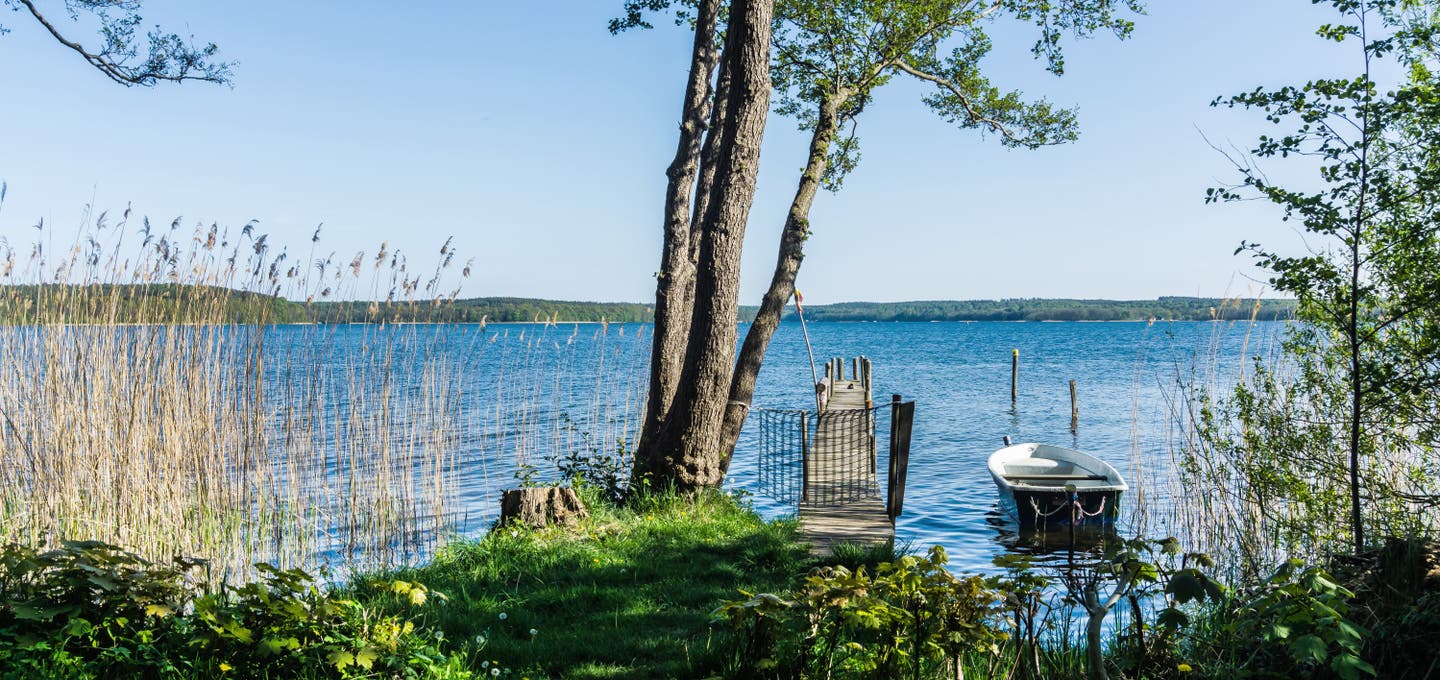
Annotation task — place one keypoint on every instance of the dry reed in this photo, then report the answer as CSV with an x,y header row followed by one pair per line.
x,y
149,397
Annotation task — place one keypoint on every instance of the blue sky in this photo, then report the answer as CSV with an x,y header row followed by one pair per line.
x,y
539,142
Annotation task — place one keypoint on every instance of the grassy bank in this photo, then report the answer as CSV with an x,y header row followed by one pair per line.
x,y
627,593
699,588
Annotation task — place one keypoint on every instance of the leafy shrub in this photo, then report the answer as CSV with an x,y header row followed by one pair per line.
x,y
606,472
1294,624
910,619
88,606
89,609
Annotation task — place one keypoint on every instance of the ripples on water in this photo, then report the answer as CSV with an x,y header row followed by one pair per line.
x,y
527,393
423,430
959,376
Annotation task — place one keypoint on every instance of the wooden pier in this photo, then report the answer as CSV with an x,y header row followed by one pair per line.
x,y
840,500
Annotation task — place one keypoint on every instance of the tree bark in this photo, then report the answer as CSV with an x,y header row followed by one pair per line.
x,y
685,451
540,507
675,282
782,281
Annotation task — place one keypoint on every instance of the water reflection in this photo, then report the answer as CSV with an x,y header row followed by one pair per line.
x,y
1052,546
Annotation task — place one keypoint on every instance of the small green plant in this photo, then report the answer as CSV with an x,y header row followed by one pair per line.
x,y
606,472
1025,593
1140,572
88,604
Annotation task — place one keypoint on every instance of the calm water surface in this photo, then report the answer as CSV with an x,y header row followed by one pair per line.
x,y
957,373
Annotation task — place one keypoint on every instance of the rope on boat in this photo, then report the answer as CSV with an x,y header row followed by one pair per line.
x,y
1081,508
1036,507
1077,508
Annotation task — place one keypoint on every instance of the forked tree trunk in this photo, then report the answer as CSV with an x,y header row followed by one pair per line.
x,y
685,451
675,282
782,282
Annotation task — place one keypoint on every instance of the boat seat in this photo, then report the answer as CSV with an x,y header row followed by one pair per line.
x,y
1040,467
1060,477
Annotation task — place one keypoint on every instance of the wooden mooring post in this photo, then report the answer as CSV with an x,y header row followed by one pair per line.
x,y
1014,375
1074,409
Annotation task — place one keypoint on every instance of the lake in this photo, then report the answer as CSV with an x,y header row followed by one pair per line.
x,y
364,445
958,374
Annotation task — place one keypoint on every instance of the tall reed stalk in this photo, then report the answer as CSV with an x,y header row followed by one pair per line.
x,y
150,397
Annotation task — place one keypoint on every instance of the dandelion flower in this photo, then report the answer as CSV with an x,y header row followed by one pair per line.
x,y
1184,668
495,672
534,632
484,665
225,667
504,616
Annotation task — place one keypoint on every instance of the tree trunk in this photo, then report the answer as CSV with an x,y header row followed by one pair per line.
x,y
782,282
1094,629
685,451
674,288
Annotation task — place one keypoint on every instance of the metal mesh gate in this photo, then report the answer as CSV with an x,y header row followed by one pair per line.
x,y
828,458
783,437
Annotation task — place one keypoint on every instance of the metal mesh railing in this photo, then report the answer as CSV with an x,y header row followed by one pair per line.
x,y
828,458
783,436
840,463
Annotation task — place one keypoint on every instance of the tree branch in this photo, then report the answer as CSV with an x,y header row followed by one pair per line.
x,y
191,62
970,110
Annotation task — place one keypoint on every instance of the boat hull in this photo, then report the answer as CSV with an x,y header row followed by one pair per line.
x,y
1099,507
1048,486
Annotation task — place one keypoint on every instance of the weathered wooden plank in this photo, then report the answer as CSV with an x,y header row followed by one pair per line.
x,y
862,522
842,466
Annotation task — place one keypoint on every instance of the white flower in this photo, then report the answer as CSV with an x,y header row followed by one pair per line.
x,y
504,616
439,635
534,632
484,665
495,672
480,639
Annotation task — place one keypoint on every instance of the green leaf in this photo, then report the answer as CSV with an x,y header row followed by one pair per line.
x,y
1186,586
1349,666
340,659
1308,648
365,658
1172,618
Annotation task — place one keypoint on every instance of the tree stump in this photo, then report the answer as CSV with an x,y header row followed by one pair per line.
x,y
540,507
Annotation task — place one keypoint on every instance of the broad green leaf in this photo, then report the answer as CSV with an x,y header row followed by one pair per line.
x,y
1308,648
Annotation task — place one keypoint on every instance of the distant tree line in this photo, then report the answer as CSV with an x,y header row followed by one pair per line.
x,y
476,310
110,303
1042,309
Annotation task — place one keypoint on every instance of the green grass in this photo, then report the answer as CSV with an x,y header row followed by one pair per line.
x,y
626,593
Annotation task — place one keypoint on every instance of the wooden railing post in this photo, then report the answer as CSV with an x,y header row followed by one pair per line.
x,y
804,459
902,416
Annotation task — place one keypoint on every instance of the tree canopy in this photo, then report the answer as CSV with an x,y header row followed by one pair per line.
x,y
121,52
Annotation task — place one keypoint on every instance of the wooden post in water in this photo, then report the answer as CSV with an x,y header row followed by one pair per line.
x,y
1074,409
1014,375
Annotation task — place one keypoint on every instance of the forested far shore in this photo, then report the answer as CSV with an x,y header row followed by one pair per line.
x,y
118,303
